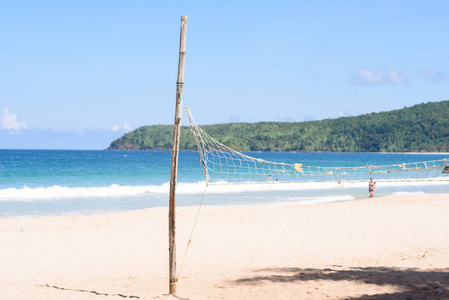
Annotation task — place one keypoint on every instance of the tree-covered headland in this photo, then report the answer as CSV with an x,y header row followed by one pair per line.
x,y
420,128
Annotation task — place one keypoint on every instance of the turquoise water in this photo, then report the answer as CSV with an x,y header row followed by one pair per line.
x,y
37,183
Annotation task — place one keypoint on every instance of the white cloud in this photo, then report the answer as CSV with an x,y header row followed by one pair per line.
x,y
9,121
115,128
126,127
433,74
367,76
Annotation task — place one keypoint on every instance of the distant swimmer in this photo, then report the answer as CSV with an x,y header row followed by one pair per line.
x,y
371,187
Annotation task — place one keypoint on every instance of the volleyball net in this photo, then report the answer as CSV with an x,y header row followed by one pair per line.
x,y
223,165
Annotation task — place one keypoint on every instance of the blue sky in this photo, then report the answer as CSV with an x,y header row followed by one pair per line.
x,y
78,74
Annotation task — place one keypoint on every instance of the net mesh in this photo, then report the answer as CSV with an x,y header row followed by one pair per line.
x,y
223,165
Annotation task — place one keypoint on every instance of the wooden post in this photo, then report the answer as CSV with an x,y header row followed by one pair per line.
x,y
174,158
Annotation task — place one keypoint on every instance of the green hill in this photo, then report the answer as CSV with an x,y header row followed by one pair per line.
x,y
420,128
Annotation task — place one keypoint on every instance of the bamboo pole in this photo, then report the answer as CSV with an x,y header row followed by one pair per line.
x,y
174,158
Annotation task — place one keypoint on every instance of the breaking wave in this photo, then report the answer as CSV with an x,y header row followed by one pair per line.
x,y
117,191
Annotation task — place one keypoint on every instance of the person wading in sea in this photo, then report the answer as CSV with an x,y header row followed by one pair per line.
x,y
371,187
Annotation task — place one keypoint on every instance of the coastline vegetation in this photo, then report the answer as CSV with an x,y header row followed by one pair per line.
x,y
420,128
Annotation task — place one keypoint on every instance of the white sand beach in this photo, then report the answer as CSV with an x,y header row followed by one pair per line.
x,y
394,247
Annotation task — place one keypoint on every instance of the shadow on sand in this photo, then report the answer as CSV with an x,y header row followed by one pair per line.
x,y
410,283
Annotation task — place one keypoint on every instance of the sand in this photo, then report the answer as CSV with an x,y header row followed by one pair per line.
x,y
395,247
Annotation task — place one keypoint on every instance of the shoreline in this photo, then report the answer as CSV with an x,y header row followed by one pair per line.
x,y
274,194
393,246
194,150
268,195
293,151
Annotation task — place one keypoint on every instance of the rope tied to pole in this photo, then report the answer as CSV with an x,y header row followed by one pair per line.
x,y
191,235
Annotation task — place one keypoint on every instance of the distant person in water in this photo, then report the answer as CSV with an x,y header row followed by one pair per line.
x,y
371,187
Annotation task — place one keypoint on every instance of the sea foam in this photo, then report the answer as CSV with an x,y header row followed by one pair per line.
x,y
117,191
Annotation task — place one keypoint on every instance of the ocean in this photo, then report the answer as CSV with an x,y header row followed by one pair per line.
x,y
40,183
